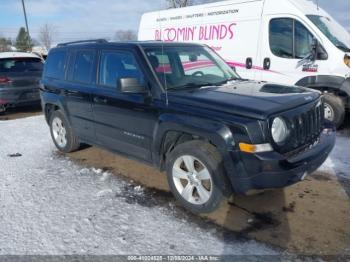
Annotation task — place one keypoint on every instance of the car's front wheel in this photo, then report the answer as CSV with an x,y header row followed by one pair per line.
x,y
62,134
196,176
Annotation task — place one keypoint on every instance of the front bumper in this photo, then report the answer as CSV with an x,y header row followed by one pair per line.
x,y
273,170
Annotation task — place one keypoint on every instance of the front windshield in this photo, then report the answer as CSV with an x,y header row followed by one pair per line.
x,y
179,67
333,31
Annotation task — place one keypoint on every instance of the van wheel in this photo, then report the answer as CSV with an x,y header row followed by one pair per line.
x,y
62,134
196,176
334,109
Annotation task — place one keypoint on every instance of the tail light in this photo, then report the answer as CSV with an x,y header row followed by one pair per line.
x,y
347,60
4,80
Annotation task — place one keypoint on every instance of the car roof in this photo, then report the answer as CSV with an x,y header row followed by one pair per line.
x,y
17,55
100,43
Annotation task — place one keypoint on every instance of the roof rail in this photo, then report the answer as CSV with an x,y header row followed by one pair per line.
x,y
84,41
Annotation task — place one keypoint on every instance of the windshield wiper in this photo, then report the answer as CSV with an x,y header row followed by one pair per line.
x,y
229,80
205,84
191,86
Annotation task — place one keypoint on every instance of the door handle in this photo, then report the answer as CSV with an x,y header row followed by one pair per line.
x,y
71,92
249,63
100,100
267,63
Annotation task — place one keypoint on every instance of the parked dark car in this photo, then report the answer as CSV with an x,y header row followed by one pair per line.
x,y
20,74
181,108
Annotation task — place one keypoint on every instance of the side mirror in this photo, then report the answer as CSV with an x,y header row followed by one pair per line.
x,y
131,85
313,51
321,53
317,51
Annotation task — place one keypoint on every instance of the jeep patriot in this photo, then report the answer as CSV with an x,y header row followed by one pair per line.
x,y
182,109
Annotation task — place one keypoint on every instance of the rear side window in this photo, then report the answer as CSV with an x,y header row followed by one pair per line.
x,y
83,66
55,64
20,65
115,65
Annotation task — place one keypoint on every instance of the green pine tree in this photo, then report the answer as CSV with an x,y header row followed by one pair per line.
x,y
23,42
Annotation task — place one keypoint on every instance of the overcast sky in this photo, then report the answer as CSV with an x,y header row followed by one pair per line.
x,y
76,19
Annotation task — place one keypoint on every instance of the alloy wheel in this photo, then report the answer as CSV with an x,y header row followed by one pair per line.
x,y
192,180
59,132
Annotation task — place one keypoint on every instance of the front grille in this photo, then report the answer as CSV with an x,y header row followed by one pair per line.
x,y
305,127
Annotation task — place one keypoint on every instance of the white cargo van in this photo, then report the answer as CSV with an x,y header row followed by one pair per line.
x,y
290,42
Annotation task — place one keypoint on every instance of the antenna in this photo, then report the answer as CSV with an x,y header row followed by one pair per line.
x,y
164,76
318,7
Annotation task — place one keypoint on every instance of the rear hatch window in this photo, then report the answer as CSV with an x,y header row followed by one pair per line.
x,y
20,65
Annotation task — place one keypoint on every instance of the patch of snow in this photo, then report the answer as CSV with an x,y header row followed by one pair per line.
x,y
97,171
52,206
138,188
105,176
104,192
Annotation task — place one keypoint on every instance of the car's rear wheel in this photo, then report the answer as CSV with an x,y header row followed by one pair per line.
x,y
62,134
334,109
196,176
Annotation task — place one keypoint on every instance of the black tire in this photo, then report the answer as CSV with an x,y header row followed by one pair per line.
x,y
212,160
335,106
72,143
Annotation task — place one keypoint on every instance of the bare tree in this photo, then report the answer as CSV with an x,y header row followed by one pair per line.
x,y
46,35
178,3
125,35
5,44
184,3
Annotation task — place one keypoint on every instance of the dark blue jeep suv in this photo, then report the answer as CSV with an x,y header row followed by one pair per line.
x,y
181,108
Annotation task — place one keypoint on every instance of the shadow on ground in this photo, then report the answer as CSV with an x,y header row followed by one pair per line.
x,y
20,112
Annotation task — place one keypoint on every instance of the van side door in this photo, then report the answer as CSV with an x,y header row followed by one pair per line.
x,y
124,122
286,51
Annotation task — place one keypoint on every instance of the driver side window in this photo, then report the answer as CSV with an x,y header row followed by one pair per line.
x,y
290,39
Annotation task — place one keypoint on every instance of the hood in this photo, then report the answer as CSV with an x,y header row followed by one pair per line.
x,y
251,99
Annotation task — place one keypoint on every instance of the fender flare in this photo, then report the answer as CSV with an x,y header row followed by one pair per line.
x,y
53,100
217,133
337,84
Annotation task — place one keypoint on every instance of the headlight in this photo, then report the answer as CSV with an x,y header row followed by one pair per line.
x,y
279,130
347,60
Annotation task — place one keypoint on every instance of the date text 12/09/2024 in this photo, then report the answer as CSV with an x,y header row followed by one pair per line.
x,y
173,258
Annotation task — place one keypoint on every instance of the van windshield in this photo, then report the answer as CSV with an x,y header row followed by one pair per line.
x,y
333,31
180,67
